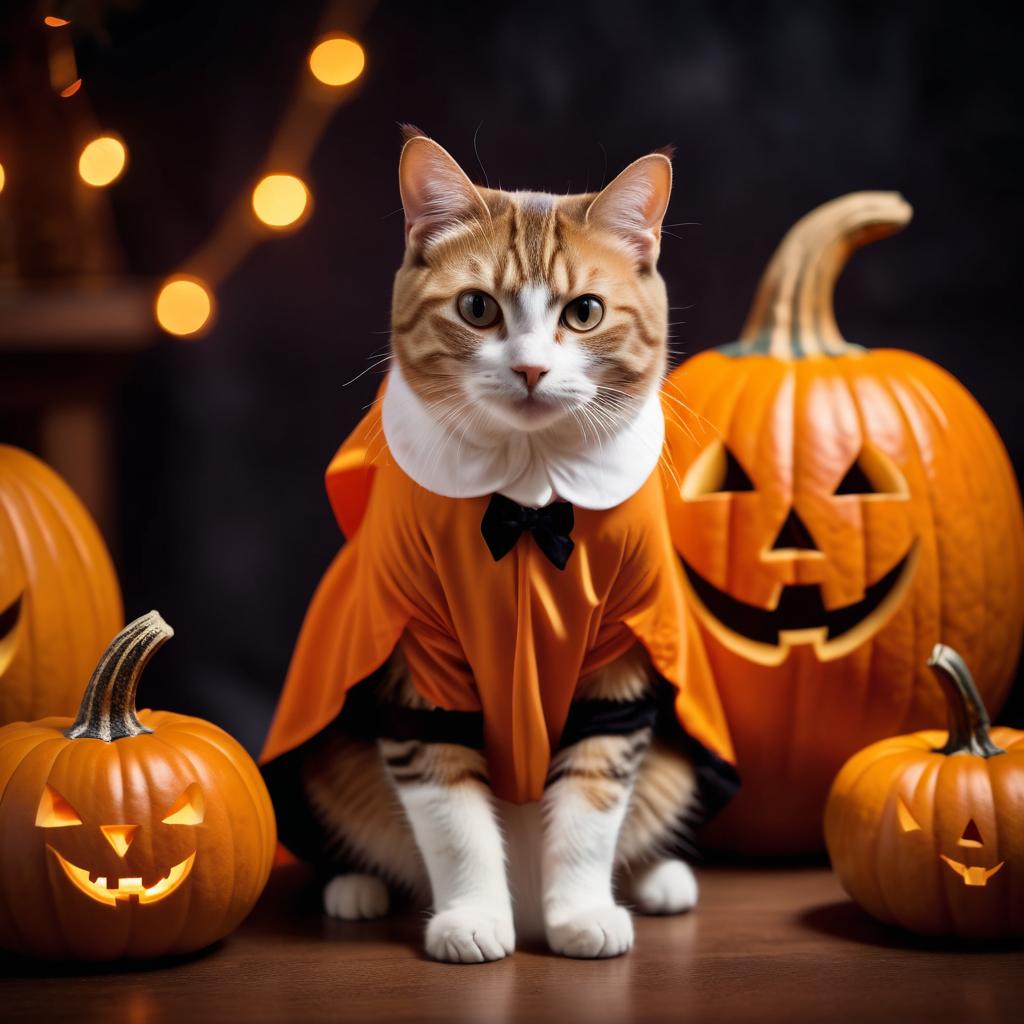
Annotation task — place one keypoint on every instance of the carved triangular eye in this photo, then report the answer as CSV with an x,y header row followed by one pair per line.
x,y
715,471
971,836
736,479
906,819
873,472
54,811
855,482
188,809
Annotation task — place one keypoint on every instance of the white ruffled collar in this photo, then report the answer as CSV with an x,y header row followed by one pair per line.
x,y
531,469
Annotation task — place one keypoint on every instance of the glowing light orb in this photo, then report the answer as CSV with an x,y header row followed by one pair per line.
x,y
279,200
337,60
3,177
183,306
54,22
102,161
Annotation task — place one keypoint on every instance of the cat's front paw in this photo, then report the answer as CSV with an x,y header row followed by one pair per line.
x,y
595,932
667,887
470,935
356,897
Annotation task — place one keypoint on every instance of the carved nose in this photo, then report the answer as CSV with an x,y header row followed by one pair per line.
x,y
530,374
119,836
794,535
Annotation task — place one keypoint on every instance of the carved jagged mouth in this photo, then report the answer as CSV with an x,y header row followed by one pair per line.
x,y
126,888
800,616
9,618
972,875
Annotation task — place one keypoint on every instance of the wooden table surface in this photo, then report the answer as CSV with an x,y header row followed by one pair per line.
x,y
768,945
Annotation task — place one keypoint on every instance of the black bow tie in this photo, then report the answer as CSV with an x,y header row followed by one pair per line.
x,y
504,522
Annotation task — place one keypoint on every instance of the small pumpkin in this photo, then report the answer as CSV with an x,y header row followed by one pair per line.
x,y
124,834
59,598
839,511
926,831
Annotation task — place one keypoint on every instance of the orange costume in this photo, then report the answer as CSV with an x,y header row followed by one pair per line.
x,y
508,638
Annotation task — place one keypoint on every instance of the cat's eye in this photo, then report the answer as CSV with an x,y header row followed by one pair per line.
x,y
584,313
478,309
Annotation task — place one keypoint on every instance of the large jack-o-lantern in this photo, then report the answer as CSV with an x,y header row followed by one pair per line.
x,y
124,834
839,511
59,598
927,831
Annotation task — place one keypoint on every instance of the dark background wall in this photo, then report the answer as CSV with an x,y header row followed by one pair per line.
x,y
774,108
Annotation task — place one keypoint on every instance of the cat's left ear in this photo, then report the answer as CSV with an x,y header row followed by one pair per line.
x,y
634,204
436,194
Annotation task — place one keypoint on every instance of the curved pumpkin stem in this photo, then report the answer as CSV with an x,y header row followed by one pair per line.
x,y
793,314
108,705
968,719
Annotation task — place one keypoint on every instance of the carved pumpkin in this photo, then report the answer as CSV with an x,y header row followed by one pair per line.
x,y
59,598
927,831
838,511
124,834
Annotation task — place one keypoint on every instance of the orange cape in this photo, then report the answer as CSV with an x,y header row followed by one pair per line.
x,y
509,638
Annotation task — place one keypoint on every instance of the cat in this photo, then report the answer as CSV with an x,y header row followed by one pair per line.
x,y
529,341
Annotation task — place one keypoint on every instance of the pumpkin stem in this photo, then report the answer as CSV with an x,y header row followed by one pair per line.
x,y
108,705
968,719
793,315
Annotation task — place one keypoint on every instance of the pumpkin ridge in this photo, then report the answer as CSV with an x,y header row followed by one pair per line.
x,y
911,420
965,467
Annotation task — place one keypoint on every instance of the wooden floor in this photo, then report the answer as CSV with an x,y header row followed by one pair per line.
x,y
770,945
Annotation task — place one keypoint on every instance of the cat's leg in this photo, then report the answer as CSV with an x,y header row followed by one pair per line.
x,y
356,897
350,792
664,800
584,804
666,886
443,788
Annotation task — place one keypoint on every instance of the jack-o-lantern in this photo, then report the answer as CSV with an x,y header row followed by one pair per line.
x,y
59,598
124,834
838,512
927,831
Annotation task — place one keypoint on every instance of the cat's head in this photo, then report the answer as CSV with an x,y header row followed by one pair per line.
x,y
529,311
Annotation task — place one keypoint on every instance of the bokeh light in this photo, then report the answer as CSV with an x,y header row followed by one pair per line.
x,y
337,60
279,200
184,305
3,177
55,22
102,161
71,89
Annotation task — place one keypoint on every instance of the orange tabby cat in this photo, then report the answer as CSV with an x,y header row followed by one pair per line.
x,y
529,734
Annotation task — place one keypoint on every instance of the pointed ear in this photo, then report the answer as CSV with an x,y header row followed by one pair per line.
x,y
436,193
634,204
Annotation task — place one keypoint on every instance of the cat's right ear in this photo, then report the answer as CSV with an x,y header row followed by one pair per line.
x,y
436,193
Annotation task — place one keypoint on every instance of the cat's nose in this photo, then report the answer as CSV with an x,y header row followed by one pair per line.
x,y
530,374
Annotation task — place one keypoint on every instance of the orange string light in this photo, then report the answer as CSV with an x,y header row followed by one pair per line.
x,y
280,199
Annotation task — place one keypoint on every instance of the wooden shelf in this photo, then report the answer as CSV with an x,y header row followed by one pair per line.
x,y
114,316
773,945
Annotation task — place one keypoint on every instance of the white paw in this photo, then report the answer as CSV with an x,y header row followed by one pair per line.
x,y
468,935
668,887
356,897
597,932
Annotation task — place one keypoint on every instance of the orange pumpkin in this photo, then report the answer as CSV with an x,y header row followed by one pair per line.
x,y
838,511
927,831
124,834
59,598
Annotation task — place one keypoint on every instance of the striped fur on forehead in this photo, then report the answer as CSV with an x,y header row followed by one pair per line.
x,y
530,241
